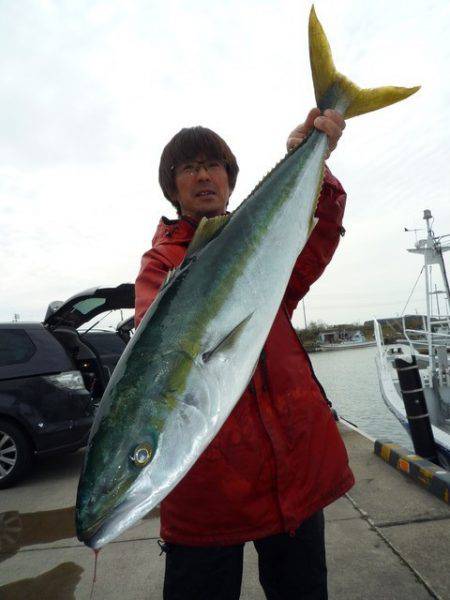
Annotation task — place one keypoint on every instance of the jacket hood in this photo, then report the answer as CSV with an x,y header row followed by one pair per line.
x,y
178,231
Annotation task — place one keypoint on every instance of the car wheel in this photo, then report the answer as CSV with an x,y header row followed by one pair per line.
x,y
16,455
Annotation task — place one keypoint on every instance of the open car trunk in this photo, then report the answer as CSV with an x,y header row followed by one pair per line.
x,y
94,353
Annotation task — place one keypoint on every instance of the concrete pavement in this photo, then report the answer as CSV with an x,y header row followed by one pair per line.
x,y
388,539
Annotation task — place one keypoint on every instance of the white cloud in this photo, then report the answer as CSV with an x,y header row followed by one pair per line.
x,y
93,90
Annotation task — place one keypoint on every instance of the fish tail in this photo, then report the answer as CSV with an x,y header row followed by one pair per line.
x,y
334,90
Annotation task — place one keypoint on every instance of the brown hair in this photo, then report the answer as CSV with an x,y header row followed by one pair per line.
x,y
186,145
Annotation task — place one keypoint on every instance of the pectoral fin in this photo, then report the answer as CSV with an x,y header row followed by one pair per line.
x,y
228,341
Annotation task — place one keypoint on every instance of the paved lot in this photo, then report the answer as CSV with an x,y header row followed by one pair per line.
x,y
388,539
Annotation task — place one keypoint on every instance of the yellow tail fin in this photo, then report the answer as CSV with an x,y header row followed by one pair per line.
x,y
329,85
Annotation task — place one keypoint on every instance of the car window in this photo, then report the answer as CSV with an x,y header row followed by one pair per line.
x,y
106,343
85,306
15,347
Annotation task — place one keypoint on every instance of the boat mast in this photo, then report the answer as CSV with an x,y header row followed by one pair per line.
x,y
428,255
436,250
432,250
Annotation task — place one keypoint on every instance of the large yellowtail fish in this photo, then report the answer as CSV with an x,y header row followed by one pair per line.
x,y
195,350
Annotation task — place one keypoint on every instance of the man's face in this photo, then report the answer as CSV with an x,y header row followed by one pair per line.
x,y
202,188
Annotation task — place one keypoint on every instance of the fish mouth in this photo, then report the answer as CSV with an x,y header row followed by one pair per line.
x,y
109,527
93,534
87,534
89,525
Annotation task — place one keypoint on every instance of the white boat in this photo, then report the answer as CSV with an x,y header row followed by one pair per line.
x,y
345,346
342,340
430,345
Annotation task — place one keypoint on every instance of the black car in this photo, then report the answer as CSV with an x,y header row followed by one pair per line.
x,y
52,376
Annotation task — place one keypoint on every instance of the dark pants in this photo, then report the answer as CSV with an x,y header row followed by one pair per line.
x,y
290,567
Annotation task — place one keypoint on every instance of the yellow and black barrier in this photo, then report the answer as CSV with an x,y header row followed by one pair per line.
x,y
430,476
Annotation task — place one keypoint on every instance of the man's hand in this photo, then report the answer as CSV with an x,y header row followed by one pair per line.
x,y
331,123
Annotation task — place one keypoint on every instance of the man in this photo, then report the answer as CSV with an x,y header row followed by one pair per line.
x,y
278,460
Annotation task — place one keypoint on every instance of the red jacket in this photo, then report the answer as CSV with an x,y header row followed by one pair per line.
x,y
279,456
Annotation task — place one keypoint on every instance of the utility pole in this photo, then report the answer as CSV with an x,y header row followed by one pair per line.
x,y
304,313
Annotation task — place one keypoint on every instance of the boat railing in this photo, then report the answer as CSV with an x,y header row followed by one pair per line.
x,y
438,336
427,336
437,365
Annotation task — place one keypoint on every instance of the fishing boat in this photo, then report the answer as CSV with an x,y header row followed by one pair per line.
x,y
341,339
427,344
357,340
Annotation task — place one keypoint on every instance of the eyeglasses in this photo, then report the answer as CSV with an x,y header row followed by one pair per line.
x,y
192,168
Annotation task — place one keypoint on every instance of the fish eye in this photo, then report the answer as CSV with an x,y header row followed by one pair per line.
x,y
142,454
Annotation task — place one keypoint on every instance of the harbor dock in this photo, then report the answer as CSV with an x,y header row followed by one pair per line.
x,y
387,538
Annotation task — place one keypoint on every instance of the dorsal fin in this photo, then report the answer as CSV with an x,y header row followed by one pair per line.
x,y
206,231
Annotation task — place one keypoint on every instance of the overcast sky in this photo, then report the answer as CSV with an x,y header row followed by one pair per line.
x,y
92,91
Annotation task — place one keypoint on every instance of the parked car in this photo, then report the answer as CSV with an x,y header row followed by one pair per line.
x,y
52,376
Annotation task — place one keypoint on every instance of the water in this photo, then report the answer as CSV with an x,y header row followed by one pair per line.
x,y
349,378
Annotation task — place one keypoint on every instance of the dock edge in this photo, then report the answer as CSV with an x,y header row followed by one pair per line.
x,y
428,475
